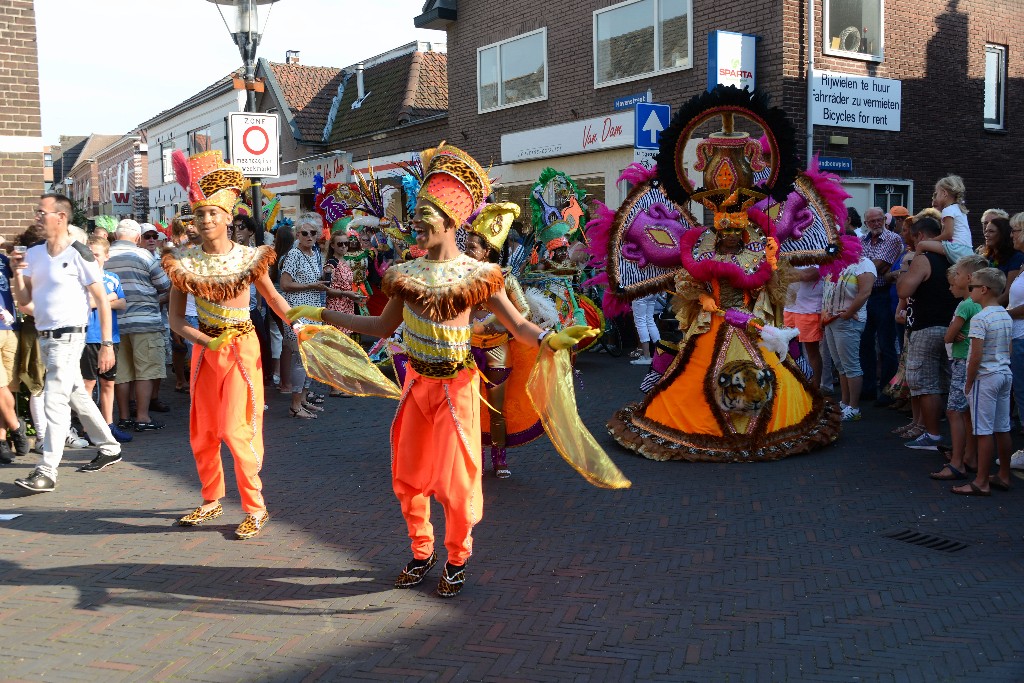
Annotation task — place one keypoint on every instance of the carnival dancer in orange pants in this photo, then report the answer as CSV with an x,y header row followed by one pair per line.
x,y
227,374
435,437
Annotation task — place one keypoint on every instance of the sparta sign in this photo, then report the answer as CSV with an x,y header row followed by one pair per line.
x,y
255,144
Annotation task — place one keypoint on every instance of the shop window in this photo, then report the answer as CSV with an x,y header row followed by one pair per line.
x,y
853,28
166,167
641,38
513,72
995,86
200,140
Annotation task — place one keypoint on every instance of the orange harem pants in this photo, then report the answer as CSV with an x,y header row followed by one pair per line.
x,y
227,405
435,446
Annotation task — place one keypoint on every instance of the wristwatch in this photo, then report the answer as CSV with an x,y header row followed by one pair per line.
x,y
106,343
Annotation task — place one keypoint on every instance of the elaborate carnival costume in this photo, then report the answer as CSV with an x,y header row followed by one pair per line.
x,y
501,355
435,437
227,376
731,394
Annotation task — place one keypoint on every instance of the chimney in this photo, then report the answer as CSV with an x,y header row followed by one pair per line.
x,y
360,89
291,57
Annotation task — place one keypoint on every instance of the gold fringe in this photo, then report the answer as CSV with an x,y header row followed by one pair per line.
x,y
219,288
444,303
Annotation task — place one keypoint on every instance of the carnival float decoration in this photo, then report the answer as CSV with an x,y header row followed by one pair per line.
x,y
732,393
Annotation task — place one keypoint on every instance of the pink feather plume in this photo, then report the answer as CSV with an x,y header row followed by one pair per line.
x,y
599,232
849,252
181,170
637,173
830,188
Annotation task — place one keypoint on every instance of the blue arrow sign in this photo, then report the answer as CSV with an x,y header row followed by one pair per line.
x,y
651,119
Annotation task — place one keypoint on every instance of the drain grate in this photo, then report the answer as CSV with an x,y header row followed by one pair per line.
x,y
930,541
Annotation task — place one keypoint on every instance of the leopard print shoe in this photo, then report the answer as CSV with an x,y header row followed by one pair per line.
x,y
453,578
251,526
201,516
415,572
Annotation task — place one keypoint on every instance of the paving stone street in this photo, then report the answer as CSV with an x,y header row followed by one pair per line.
x,y
780,571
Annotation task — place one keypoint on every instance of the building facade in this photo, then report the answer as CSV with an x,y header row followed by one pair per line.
x,y
533,84
21,142
122,178
82,182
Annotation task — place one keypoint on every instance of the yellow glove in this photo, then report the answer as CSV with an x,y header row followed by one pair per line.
x,y
308,312
225,337
570,337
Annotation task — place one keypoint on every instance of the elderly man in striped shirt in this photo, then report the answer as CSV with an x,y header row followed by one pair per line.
x,y
140,356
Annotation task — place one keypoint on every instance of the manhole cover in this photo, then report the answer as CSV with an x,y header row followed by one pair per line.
x,y
930,541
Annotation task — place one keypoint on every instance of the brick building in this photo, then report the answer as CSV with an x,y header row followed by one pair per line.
x,y
531,82
82,182
21,142
122,173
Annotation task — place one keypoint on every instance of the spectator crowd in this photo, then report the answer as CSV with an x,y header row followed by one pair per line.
x,y
925,322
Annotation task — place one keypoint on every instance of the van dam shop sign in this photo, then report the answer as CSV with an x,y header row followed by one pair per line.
x,y
591,135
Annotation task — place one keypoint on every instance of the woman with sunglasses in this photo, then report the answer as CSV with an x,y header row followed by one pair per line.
x,y
302,272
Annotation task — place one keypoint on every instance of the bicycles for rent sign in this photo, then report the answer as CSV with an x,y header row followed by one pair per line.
x,y
255,144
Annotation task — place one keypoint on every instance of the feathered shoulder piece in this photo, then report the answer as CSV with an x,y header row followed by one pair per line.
x,y
216,277
443,289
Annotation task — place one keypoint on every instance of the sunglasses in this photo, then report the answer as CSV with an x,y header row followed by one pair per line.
x,y
306,233
150,236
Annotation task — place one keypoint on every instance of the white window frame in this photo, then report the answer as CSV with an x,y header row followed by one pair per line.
x,y
826,40
543,32
656,5
999,124
166,166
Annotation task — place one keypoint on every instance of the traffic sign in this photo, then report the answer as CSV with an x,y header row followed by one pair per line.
x,y
651,119
255,144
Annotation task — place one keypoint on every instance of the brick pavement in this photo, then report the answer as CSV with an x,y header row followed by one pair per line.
x,y
773,572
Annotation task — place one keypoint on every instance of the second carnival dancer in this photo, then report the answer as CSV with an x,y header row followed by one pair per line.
x,y
227,375
435,437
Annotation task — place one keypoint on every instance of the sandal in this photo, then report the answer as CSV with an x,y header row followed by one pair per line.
x,y
953,474
302,413
315,399
902,431
973,490
997,483
312,408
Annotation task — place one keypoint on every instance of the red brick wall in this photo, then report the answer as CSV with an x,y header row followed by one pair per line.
x,y
938,55
21,173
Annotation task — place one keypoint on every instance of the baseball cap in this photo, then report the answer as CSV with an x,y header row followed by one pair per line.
x,y
128,225
147,228
899,212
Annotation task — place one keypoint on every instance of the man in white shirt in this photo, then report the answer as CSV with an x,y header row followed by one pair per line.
x,y
53,280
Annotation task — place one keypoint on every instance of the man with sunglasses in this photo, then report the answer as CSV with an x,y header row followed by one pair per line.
x,y
54,280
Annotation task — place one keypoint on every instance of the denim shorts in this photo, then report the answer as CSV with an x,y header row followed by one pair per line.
x,y
957,400
843,338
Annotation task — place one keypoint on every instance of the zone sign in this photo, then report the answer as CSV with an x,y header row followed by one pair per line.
x,y
255,144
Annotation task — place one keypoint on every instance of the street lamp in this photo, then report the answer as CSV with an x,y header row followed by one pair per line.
x,y
246,32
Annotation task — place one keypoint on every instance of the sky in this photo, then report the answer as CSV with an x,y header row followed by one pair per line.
x,y
105,66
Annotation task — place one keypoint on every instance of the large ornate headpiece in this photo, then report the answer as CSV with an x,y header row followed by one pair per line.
x,y
208,180
494,221
453,181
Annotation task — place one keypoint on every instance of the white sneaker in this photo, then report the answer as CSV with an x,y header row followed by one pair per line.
x,y
74,440
640,361
1017,460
